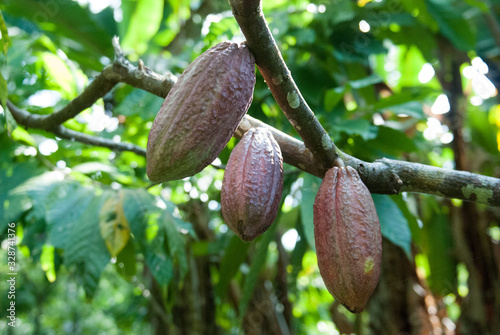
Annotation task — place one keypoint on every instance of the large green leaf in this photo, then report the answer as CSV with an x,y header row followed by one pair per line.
x,y
176,230
234,255
452,24
65,205
159,263
137,205
393,223
73,222
360,127
140,102
258,262
391,142
12,201
126,261
437,245
88,32
38,189
143,25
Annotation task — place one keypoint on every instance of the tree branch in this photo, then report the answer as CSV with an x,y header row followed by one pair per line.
x,y
24,117
382,176
271,65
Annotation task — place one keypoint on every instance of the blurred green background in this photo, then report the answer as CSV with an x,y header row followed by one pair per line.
x,y
414,80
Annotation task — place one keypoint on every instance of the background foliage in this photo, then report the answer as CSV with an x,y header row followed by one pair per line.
x,y
101,252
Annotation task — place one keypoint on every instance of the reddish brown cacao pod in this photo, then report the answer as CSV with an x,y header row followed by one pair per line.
x,y
201,112
348,239
252,184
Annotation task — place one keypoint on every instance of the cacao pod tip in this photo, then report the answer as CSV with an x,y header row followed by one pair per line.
x,y
354,309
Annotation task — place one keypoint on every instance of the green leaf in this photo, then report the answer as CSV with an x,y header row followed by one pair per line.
x,y
67,20
482,5
10,122
361,127
175,229
138,204
366,81
38,189
5,35
60,74
140,102
393,223
93,167
309,189
12,201
234,255
22,136
297,255
126,261
437,245
405,96
73,223
160,264
333,97
86,246
258,262
392,142
143,25
452,24
65,205
439,250
411,108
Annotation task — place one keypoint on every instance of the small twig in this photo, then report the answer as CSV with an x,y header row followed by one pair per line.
x,y
21,116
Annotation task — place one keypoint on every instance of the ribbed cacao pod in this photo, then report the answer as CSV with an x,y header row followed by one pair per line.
x,y
348,239
201,112
252,184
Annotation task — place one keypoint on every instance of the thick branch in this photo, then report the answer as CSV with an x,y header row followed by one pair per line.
x,y
274,70
386,176
382,176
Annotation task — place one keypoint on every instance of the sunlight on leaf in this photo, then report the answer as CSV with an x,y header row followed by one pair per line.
x,y
144,24
60,74
47,262
5,35
393,224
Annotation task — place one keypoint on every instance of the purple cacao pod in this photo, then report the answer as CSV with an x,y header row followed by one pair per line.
x,y
347,237
252,184
201,112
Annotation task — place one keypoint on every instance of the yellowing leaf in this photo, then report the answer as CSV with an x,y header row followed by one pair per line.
x,y
47,262
5,35
362,3
60,74
114,227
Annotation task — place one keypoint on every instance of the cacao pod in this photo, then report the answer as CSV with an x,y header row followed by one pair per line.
x,y
201,112
252,184
347,237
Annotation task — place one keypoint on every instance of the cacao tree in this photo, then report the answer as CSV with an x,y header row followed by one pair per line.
x,y
398,97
